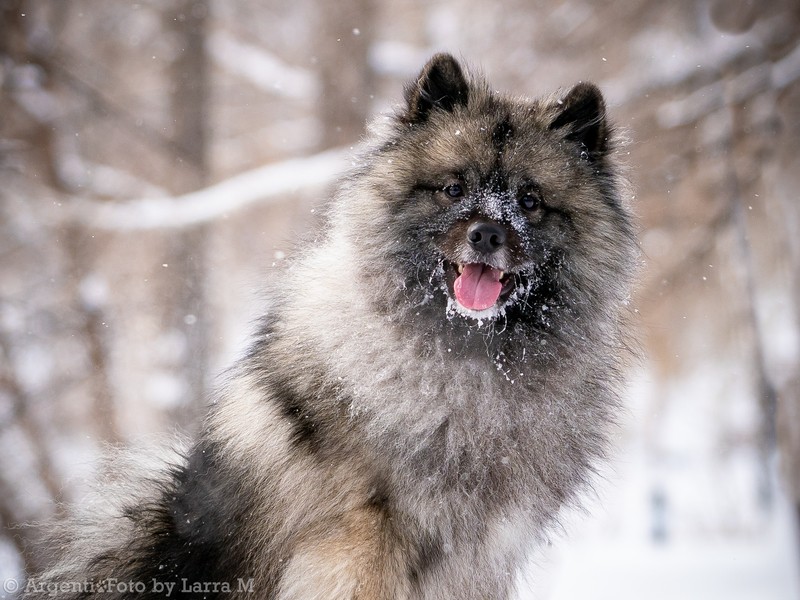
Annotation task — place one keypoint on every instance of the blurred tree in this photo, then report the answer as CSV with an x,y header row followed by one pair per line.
x,y
342,38
189,107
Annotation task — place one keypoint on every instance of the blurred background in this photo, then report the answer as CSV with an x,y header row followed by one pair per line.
x,y
157,159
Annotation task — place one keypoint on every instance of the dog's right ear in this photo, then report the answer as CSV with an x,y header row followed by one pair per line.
x,y
440,85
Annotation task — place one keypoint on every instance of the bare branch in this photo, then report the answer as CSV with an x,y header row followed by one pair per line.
x,y
262,68
263,185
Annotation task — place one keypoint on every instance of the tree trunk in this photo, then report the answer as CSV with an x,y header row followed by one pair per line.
x,y
187,260
344,34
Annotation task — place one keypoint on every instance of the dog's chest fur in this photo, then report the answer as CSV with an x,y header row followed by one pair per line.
x,y
473,440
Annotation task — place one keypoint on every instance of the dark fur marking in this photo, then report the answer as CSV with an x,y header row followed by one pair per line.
x,y
198,514
496,180
378,497
305,428
501,134
429,554
545,292
265,330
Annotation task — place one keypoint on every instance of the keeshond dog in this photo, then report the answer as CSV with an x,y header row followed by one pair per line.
x,y
434,378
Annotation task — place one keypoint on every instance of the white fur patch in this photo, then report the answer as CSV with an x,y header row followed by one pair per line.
x,y
488,314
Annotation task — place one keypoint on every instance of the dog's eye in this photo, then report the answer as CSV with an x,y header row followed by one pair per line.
x,y
454,190
530,201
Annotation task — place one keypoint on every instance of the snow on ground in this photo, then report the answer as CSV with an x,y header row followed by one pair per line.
x,y
608,562
691,528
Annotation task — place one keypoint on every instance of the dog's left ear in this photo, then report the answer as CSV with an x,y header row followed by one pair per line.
x,y
441,85
582,118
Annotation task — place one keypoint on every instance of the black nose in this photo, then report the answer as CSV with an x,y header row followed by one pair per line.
x,y
486,236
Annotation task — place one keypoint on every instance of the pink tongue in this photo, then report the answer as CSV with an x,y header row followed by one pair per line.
x,y
478,287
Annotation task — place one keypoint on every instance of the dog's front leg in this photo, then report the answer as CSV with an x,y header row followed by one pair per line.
x,y
353,556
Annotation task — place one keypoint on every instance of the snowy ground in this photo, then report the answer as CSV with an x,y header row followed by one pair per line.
x,y
688,529
603,559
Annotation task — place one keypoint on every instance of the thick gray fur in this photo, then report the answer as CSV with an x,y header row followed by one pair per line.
x,y
379,441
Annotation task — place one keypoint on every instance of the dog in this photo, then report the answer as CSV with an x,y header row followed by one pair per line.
x,y
434,378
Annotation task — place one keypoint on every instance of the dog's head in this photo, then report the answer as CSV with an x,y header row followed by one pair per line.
x,y
484,208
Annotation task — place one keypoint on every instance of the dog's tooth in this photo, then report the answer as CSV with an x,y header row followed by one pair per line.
x,y
460,268
502,274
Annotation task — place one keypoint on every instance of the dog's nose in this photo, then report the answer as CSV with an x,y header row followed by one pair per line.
x,y
486,236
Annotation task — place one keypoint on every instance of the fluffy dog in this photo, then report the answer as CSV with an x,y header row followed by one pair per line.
x,y
433,380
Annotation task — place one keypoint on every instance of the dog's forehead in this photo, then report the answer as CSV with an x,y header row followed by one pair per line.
x,y
476,143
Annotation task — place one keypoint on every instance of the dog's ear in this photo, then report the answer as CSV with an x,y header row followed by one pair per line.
x,y
440,85
581,117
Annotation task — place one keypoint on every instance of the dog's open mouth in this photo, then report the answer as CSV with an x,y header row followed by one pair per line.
x,y
478,286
